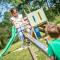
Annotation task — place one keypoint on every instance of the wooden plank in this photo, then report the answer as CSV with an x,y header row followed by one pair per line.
x,y
41,46
33,55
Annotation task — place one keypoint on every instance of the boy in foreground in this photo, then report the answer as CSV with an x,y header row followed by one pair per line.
x,y
54,44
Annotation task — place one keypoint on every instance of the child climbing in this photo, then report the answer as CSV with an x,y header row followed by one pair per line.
x,y
17,21
54,44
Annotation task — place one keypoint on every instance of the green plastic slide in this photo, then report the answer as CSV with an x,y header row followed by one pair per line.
x,y
5,50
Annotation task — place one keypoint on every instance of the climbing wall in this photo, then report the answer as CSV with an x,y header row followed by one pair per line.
x,y
37,17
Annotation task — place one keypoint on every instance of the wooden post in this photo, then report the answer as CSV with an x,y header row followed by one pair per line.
x,y
32,53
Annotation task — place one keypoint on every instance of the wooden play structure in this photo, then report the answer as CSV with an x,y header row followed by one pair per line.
x,y
37,17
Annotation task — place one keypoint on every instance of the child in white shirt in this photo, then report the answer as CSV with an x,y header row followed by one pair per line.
x,y
17,21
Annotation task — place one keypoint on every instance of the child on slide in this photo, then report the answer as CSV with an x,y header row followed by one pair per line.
x,y
54,44
17,21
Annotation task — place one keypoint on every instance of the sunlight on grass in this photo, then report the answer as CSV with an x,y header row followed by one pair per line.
x,y
15,46
23,55
57,19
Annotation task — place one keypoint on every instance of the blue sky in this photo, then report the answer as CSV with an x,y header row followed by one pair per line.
x,y
3,8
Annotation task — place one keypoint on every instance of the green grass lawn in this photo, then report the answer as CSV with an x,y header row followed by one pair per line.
x,y
57,20
24,54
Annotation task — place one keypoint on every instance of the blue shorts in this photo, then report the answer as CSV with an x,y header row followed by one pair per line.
x,y
20,32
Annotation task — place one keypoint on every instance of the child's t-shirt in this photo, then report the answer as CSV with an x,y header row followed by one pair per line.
x,y
17,21
54,48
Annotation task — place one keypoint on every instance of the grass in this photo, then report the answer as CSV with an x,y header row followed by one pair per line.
x,y
15,46
20,55
57,20
24,54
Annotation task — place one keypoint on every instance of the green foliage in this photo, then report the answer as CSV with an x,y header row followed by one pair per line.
x,y
14,2
57,19
29,6
5,30
50,15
